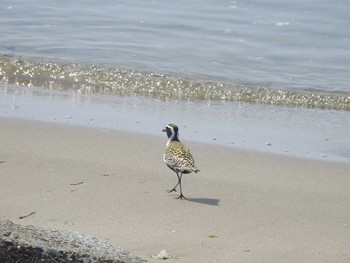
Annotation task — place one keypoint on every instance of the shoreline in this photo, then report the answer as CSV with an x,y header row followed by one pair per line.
x,y
304,133
246,205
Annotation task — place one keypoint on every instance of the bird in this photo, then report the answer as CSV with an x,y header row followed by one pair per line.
x,y
177,157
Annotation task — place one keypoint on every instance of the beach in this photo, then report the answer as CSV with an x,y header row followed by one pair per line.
x,y
259,90
244,206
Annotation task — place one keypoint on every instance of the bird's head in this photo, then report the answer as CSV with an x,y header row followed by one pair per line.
x,y
172,131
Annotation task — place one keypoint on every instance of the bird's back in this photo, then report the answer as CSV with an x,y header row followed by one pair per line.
x,y
179,158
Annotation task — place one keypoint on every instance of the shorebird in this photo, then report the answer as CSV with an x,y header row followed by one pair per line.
x,y
177,157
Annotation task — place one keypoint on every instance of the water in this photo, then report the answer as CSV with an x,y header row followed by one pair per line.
x,y
266,68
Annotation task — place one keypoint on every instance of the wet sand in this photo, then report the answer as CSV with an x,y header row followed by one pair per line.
x,y
243,206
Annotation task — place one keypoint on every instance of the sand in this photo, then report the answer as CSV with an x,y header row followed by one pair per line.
x,y
243,206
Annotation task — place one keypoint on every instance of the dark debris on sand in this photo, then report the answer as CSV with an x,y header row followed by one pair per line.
x,y
31,244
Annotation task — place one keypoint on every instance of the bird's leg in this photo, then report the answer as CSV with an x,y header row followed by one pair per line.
x,y
178,182
181,196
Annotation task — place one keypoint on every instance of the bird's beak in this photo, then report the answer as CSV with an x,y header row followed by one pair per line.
x,y
164,130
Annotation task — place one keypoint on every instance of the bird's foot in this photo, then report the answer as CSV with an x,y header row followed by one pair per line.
x,y
172,190
181,196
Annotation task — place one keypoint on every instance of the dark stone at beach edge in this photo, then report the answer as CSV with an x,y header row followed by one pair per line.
x,y
33,244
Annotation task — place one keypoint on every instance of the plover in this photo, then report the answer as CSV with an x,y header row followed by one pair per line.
x,y
177,157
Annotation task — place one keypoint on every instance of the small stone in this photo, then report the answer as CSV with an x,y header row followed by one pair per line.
x,y
7,234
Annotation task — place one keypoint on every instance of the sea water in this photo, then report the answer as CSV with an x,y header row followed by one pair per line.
x,y
263,75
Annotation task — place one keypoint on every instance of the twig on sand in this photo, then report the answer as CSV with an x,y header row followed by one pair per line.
x,y
30,214
77,183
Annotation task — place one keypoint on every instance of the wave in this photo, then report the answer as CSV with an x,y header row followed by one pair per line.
x,y
96,79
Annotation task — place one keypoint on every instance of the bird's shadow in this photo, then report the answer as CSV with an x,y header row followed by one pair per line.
x,y
205,201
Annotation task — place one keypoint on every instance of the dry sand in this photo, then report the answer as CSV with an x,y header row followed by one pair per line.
x,y
243,206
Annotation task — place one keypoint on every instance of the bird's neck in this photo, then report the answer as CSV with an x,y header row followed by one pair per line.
x,y
173,139
174,136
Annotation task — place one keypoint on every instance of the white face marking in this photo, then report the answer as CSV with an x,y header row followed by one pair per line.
x,y
172,132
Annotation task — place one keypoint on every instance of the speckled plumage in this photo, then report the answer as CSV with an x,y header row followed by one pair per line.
x,y
177,156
